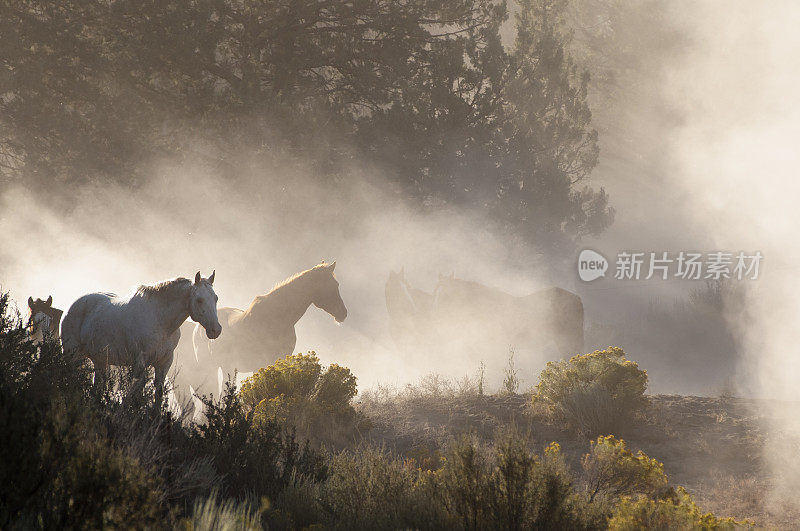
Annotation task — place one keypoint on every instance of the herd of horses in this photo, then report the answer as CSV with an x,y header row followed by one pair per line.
x,y
176,328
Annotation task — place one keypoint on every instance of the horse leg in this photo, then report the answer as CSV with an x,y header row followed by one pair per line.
x,y
161,369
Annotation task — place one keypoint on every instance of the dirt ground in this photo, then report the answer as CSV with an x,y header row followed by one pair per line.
x,y
711,446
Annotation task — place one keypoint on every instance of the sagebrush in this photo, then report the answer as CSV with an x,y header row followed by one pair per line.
x,y
596,394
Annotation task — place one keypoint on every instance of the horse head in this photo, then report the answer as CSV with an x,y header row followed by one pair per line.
x,y
44,318
203,305
325,295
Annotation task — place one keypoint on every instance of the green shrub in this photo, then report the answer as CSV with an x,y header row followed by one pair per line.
x,y
510,488
475,488
371,489
102,487
297,506
59,468
77,455
596,394
613,471
530,492
295,390
462,485
256,458
676,511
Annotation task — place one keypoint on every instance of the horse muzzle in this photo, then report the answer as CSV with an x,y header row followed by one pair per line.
x,y
214,332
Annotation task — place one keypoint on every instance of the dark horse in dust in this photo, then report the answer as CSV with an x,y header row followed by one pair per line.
x,y
472,316
45,320
261,334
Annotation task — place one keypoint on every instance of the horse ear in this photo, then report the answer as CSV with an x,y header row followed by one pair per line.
x,y
30,303
50,300
197,278
211,278
332,266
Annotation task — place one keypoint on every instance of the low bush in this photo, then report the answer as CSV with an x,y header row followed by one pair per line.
x,y
317,403
613,471
675,511
595,394
507,487
256,458
369,488
510,488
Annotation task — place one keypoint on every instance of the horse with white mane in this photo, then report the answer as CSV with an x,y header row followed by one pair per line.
x,y
142,330
44,320
262,333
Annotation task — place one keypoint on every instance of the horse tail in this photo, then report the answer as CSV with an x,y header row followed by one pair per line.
x,y
184,360
72,324
201,344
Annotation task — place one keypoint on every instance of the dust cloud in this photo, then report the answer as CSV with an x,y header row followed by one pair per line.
x,y
698,153
256,232
738,162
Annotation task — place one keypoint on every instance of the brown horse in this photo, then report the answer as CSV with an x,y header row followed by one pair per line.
x,y
462,315
549,315
44,320
262,333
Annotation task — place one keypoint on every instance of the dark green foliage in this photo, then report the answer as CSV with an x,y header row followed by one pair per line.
x,y
424,91
511,488
371,488
508,487
256,457
57,470
77,455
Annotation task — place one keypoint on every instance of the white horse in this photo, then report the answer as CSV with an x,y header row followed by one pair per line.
x,y
44,320
142,330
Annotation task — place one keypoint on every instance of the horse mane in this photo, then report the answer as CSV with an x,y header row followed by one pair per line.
x,y
294,277
166,289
